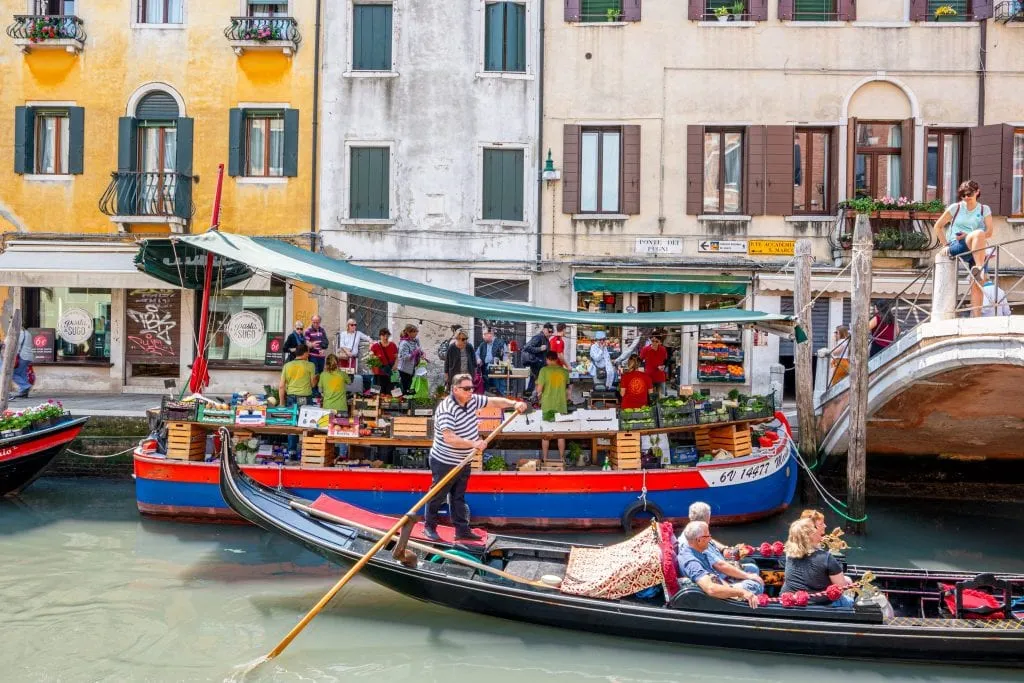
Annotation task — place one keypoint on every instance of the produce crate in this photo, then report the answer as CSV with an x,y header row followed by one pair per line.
x,y
412,427
676,416
186,441
283,416
415,460
367,407
343,426
252,416
637,418
393,405
214,416
766,408
422,407
702,437
488,418
713,416
551,465
626,452
731,438
173,410
316,451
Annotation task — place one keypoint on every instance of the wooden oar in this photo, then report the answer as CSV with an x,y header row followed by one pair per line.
x,y
313,512
380,544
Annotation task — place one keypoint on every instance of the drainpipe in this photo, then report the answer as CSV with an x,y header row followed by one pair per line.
x,y
316,125
982,64
540,138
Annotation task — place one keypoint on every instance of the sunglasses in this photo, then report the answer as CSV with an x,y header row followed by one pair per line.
x,y
351,324
466,388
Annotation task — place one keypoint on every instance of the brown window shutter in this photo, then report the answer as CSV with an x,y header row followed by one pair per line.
x,y
753,170
631,10
695,10
572,10
847,10
982,9
785,10
570,169
919,10
986,163
779,148
851,154
694,170
757,10
1005,206
833,169
631,170
907,159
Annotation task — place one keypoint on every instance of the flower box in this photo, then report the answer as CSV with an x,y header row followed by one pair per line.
x,y
893,214
926,215
11,433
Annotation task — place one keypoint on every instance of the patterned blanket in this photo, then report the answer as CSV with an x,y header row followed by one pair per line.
x,y
619,570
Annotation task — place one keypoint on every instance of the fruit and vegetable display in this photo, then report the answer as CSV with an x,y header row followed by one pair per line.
x,y
719,352
637,418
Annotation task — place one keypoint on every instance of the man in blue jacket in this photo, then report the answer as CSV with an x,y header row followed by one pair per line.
x,y
490,350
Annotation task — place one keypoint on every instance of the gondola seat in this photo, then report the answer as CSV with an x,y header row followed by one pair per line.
x,y
690,597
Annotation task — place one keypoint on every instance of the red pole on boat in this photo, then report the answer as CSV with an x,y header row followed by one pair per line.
x,y
200,376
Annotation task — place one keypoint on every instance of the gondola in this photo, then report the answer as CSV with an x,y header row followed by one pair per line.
x,y
917,631
24,457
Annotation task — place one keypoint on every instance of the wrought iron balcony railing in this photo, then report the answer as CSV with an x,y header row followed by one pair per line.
x,y
1010,10
40,28
148,194
264,29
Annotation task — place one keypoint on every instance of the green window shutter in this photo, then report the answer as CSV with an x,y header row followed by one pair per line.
x,y
371,37
291,143
503,184
514,186
491,186
369,186
24,137
494,35
236,136
183,152
515,37
127,143
76,140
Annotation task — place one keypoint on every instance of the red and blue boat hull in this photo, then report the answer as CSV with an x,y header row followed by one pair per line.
x,y
738,490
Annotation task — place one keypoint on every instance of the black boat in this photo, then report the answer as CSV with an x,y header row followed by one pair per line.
x,y
25,456
917,631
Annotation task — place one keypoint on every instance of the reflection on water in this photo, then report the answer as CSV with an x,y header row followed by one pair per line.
x,y
91,592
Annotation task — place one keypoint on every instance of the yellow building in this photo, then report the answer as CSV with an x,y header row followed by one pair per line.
x,y
114,117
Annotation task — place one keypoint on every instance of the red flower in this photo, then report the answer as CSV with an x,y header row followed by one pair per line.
x,y
763,600
834,592
787,599
778,548
800,599
766,549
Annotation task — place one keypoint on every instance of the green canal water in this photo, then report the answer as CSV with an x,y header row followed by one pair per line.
x,y
89,591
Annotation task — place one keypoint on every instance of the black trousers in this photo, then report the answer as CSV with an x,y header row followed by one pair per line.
x,y
454,491
406,381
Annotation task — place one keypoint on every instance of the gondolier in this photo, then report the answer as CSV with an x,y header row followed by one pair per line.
x,y
456,436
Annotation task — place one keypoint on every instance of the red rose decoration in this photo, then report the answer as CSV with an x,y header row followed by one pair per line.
x,y
778,548
745,550
766,549
800,598
787,599
834,592
763,600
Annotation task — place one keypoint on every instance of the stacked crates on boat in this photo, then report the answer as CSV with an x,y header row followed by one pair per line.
x,y
626,452
186,441
316,451
412,427
731,438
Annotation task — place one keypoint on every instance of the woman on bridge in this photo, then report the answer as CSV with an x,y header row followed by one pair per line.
x,y
968,228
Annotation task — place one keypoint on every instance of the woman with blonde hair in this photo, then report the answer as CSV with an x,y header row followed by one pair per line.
x,y
808,567
333,383
816,517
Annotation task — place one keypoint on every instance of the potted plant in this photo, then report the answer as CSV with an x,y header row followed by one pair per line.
x,y
945,13
574,454
888,239
915,241
246,450
928,211
613,14
46,414
722,13
14,423
738,8
894,208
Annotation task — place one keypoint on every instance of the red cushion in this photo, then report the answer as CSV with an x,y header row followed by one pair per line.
x,y
669,568
338,508
971,599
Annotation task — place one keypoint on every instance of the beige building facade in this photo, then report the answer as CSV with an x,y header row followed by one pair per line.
x,y
692,152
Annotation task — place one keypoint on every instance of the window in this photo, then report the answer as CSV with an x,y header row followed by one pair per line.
x,y
601,151
878,169
944,164
501,290
723,171
503,184
264,147
600,10
161,11
505,37
371,37
52,143
811,164
814,10
1017,177
961,7
62,8
80,317
266,8
267,304
711,5
369,183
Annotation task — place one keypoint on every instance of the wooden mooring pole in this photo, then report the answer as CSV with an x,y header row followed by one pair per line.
x,y
10,348
804,352
856,459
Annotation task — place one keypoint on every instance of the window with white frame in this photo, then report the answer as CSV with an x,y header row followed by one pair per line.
x,y
161,11
52,142
264,148
266,8
600,170
505,37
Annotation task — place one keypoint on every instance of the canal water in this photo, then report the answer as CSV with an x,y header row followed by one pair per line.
x,y
89,591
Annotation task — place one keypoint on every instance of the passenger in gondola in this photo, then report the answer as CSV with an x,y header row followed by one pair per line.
x,y
696,565
701,512
811,568
817,517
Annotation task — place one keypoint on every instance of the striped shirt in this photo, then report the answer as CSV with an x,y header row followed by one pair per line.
x,y
462,421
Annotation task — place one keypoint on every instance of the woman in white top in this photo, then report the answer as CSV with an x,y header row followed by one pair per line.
x,y
968,228
349,344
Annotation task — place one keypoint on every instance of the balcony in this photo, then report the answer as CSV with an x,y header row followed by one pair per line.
x,y
149,198
902,237
47,31
1010,11
263,33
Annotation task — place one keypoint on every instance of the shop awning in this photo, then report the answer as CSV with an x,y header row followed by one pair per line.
x,y
830,284
661,283
294,263
43,263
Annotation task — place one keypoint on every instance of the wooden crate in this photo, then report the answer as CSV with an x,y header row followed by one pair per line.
x,y
702,437
411,427
552,466
186,441
477,463
316,451
732,438
626,453
489,418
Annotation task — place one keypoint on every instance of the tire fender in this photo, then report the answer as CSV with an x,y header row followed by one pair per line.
x,y
639,507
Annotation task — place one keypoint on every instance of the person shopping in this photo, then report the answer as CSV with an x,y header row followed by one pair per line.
x,y
387,353
349,346
460,359
968,228
409,356
601,359
293,340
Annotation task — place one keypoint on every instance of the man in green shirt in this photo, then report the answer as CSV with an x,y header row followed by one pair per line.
x,y
553,388
298,378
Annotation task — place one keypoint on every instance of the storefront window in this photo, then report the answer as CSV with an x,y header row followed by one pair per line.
x,y
721,356
79,317
268,305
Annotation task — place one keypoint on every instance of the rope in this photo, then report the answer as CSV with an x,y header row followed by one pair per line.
x,y
819,487
99,457
643,491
